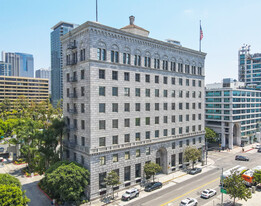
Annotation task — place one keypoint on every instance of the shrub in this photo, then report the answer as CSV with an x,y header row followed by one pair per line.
x,y
6,179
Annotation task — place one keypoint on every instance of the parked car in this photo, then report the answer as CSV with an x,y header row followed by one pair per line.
x,y
208,193
131,193
259,150
189,202
153,186
2,149
258,146
195,171
241,158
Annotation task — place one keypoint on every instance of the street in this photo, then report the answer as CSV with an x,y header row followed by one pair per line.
x,y
193,187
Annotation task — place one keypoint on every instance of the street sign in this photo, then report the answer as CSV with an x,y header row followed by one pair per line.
x,y
223,191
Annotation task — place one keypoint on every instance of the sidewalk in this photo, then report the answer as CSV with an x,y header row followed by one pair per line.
x,y
238,149
167,181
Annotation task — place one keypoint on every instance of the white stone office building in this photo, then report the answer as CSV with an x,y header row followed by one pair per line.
x,y
233,111
129,99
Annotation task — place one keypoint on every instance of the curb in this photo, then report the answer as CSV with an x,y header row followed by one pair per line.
x,y
45,194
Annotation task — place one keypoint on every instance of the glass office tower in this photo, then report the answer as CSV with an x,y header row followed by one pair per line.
x,y
59,30
5,69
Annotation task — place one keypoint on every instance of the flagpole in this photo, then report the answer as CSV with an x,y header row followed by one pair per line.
x,y
199,35
96,10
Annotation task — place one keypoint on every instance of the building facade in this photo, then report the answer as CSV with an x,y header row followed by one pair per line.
x,y
59,30
32,88
129,99
22,64
234,112
249,67
5,69
44,74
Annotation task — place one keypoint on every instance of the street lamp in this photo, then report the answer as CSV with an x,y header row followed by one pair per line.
x,y
206,149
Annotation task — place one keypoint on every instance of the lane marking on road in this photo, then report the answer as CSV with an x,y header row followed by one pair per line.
x,y
190,192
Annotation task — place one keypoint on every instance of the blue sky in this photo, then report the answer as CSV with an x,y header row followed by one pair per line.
x,y
26,25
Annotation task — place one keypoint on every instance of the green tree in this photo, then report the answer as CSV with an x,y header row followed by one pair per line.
x,y
151,169
12,195
236,188
67,182
211,135
257,176
6,179
192,154
10,191
112,180
59,127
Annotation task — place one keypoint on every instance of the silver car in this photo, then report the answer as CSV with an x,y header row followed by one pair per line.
x,y
189,202
208,193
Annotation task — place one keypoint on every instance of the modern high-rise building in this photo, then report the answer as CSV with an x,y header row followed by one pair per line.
x,y
249,67
233,110
22,64
44,74
5,69
128,100
59,30
34,89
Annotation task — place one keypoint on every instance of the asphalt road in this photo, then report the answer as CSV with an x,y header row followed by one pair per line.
x,y
193,187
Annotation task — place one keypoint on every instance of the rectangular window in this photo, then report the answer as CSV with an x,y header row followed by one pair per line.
x,y
82,92
156,133
156,79
137,122
102,91
82,74
83,141
187,82
102,107
114,91
187,129
137,152
173,160
180,130
102,124
137,136
193,83
148,151
101,74
126,76
147,120
173,145
156,92
173,118
126,92
147,134
126,107
194,141
102,142
180,81
187,117
180,143
173,106
165,106
114,75
147,78
147,106
180,106
173,93
180,118
102,160
173,80
173,132
147,92
165,119
115,158
165,132
187,105
156,120
199,83
137,92
82,124
115,139
137,107
114,123
156,106
126,122
82,108
165,80
127,173
127,138
127,155
137,77
137,170
165,93
199,139
114,107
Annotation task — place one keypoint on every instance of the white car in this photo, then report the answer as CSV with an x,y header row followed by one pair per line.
x,y
208,193
189,202
131,193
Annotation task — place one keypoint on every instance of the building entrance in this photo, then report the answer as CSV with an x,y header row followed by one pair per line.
x,y
161,159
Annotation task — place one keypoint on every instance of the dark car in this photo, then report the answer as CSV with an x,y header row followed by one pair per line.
x,y
241,158
2,149
153,186
259,150
195,171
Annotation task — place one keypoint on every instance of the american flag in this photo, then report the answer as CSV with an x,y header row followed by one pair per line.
x,y
201,33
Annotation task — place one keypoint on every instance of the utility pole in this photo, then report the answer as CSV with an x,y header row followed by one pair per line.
x,y
222,187
206,150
